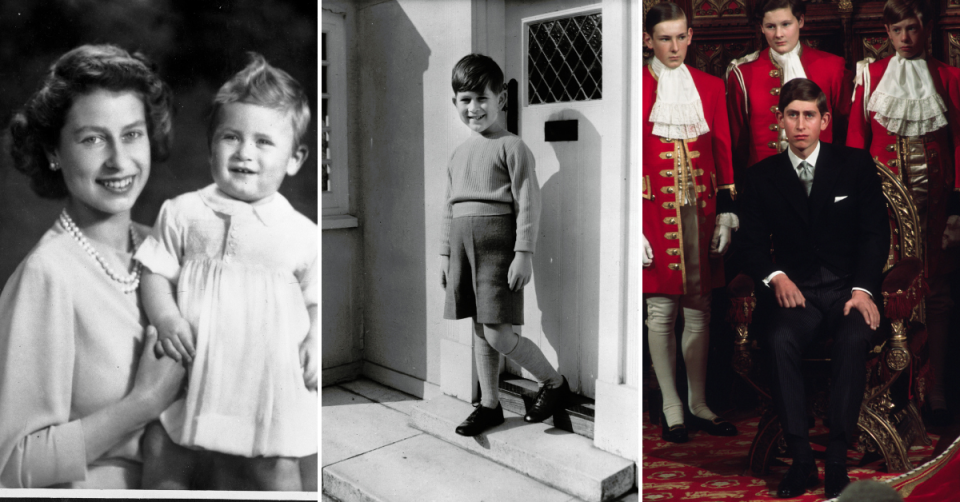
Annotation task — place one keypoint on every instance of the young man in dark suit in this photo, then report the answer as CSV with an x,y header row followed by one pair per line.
x,y
822,209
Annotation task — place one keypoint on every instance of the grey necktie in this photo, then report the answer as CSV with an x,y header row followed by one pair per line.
x,y
805,172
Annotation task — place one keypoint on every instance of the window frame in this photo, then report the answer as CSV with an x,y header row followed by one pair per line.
x,y
336,202
525,43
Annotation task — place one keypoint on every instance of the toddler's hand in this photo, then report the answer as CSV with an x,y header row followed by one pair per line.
x,y
308,361
444,266
521,269
175,338
159,379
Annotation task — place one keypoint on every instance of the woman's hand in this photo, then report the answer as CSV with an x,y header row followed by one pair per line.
x,y
159,379
176,338
308,361
156,386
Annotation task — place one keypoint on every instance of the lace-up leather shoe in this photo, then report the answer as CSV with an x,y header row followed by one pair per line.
x,y
480,420
715,427
547,402
835,479
802,475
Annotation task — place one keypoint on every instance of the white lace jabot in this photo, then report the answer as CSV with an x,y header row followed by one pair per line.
x,y
790,62
906,102
678,111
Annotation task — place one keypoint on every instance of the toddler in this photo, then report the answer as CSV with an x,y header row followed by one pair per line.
x,y
232,291
489,234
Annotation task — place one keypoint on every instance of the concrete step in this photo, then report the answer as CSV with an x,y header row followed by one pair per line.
x,y
563,460
424,469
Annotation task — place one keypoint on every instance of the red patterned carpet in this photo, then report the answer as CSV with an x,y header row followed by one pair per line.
x,y
708,469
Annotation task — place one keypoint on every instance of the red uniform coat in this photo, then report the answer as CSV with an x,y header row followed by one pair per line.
x,y
941,149
754,130
712,170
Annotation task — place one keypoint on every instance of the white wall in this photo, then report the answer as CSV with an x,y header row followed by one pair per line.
x,y
408,130
342,249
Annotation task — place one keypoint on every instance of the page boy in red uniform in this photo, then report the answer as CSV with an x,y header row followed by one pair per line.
x,y
687,180
905,112
754,82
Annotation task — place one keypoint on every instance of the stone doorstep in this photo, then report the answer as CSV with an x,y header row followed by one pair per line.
x,y
517,393
568,462
424,468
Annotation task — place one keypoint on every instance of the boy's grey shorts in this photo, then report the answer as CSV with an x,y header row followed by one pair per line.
x,y
481,250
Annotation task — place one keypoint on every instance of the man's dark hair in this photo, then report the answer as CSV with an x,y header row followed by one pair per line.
x,y
802,89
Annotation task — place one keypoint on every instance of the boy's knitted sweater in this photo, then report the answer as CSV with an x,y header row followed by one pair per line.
x,y
493,174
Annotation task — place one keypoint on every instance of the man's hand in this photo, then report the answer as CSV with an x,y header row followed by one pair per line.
x,y
521,269
862,302
951,234
646,253
788,294
444,268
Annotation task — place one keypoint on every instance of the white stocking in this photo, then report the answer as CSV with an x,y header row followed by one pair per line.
x,y
695,344
661,319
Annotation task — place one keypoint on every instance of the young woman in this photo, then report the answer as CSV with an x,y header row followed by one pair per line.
x,y
78,376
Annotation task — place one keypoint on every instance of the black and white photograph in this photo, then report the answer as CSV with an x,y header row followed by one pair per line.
x,y
480,247
159,318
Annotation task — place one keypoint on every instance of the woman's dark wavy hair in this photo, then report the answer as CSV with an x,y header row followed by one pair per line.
x,y
35,129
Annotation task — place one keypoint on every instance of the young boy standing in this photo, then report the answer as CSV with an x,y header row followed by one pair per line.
x,y
489,234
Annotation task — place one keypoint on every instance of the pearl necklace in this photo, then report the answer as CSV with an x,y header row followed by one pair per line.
x,y
130,283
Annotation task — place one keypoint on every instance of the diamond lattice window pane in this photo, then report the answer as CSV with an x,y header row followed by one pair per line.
x,y
565,60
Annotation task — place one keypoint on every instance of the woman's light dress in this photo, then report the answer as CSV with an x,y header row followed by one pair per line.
x,y
70,343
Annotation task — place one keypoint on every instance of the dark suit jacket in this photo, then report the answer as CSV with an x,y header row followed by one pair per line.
x,y
842,225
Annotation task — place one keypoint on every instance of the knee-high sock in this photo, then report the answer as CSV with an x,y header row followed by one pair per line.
x,y
488,371
661,318
531,358
695,344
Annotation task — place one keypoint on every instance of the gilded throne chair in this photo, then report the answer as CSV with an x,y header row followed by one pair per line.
x,y
897,370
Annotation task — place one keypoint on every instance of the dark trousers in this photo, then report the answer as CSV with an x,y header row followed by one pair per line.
x,y
792,330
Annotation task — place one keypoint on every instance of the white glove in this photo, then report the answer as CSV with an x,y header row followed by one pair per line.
x,y
951,234
722,233
647,252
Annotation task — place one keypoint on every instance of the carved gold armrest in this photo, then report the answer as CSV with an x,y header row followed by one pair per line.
x,y
903,291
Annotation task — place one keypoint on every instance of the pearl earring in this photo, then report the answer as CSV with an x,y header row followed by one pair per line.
x,y
54,166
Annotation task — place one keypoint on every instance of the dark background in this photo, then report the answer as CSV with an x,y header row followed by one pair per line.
x,y
197,45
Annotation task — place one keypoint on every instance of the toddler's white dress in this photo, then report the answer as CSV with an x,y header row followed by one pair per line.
x,y
246,281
